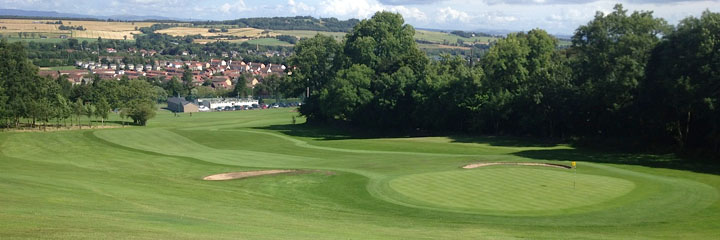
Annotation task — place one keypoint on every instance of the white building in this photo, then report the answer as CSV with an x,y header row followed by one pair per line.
x,y
214,103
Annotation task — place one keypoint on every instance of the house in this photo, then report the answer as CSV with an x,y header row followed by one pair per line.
x,y
111,50
218,62
221,82
177,104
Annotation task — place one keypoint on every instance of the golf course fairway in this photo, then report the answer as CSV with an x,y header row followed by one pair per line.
x,y
147,183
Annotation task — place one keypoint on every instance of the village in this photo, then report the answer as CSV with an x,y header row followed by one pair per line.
x,y
220,73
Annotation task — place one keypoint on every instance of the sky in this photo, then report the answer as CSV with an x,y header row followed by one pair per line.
x,y
555,16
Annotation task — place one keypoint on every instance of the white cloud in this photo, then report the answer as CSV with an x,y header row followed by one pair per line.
x,y
448,14
366,8
237,6
410,13
350,8
299,7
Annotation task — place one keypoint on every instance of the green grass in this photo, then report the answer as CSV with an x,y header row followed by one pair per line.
x,y
510,189
269,42
59,68
145,182
440,37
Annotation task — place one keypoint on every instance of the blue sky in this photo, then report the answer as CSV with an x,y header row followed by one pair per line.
x,y
555,16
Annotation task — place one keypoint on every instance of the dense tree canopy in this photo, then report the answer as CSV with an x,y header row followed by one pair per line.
x,y
680,97
626,75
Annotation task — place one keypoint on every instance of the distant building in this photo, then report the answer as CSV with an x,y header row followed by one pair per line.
x,y
180,105
214,103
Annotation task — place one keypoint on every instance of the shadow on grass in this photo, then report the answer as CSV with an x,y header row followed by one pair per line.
x,y
670,161
320,132
342,132
505,141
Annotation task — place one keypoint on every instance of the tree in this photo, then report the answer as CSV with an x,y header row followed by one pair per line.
x,y
102,108
62,108
174,87
140,112
314,63
78,109
446,97
187,79
610,56
89,110
385,44
139,101
348,93
680,97
507,79
241,89
18,75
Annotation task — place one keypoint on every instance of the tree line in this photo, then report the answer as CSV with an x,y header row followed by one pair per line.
x,y
27,99
630,77
289,23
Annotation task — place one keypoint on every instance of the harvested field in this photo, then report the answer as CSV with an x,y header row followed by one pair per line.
x,y
94,29
238,32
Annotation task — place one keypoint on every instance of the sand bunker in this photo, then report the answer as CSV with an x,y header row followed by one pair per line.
x,y
477,165
247,174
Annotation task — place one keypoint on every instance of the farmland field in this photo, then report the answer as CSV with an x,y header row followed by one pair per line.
x,y
94,29
440,37
146,182
269,42
238,32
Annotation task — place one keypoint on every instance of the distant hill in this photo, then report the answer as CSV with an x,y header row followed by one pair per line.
x,y
53,14
42,14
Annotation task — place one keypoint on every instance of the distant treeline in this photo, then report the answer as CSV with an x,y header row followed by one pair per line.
x,y
79,28
628,77
470,34
290,23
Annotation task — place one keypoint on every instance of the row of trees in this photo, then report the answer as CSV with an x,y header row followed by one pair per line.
x,y
25,96
628,76
290,23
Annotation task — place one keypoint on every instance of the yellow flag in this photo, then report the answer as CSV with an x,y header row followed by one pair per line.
x,y
573,164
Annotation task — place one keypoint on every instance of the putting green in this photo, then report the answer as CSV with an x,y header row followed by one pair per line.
x,y
509,189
